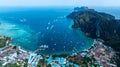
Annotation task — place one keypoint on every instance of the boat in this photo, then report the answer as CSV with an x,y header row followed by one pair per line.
x,y
43,47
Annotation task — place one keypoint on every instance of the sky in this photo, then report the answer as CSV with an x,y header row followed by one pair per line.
x,y
59,2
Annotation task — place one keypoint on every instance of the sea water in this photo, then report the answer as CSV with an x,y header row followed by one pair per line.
x,y
31,27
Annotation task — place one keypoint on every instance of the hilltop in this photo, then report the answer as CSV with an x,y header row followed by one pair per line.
x,y
98,25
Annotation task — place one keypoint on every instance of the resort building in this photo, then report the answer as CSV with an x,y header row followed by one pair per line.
x,y
33,60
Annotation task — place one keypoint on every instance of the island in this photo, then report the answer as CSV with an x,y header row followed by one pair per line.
x,y
98,25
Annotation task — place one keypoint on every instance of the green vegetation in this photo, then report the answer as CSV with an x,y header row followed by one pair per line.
x,y
49,65
81,61
3,41
95,65
18,64
0,64
12,65
60,55
118,59
14,47
26,63
71,65
42,63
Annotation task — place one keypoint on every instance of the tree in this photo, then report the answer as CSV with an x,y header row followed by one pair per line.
x,y
12,65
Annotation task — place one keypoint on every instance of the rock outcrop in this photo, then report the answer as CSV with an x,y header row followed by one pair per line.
x,y
98,25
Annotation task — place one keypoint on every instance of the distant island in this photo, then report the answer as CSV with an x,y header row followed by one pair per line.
x,y
97,25
80,8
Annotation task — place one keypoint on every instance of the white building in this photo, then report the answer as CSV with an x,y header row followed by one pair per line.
x,y
33,60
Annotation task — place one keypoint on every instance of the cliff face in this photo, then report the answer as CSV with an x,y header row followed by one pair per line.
x,y
98,25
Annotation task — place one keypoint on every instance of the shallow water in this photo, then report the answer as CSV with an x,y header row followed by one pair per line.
x,y
32,27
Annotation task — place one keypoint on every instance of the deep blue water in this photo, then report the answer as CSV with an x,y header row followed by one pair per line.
x,y
32,27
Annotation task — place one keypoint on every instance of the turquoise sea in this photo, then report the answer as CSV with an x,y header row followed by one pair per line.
x,y
35,26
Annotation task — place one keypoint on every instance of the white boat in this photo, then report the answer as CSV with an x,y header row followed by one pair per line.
x,y
43,47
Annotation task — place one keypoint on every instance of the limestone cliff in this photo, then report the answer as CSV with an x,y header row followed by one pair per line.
x,y
98,25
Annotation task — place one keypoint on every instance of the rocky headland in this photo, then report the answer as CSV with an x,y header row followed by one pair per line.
x,y
98,25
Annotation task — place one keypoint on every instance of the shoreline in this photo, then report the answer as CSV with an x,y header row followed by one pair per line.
x,y
27,54
9,43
